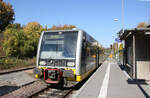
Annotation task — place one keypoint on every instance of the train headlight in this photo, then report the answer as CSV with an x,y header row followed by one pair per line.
x,y
42,62
70,64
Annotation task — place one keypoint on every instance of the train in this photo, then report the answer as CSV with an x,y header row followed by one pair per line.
x,y
70,55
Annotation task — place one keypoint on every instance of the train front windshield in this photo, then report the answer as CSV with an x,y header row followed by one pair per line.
x,y
58,45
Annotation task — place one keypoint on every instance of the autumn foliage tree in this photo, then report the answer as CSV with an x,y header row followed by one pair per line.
x,y
142,25
64,27
6,15
32,33
22,42
15,25
13,42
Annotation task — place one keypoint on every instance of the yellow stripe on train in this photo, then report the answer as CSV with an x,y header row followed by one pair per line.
x,y
77,78
74,72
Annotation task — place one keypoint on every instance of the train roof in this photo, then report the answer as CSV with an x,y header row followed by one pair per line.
x,y
63,30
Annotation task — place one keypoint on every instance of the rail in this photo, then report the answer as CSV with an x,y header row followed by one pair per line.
x,y
1,57
16,70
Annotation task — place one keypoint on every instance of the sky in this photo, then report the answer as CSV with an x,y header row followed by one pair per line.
x,y
96,17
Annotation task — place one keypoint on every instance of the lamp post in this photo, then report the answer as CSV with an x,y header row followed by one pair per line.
x,y
117,41
122,16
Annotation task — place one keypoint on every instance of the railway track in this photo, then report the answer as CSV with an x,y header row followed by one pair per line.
x,y
2,57
53,93
16,70
56,91
59,92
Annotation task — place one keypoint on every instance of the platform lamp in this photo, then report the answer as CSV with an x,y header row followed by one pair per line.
x,y
123,16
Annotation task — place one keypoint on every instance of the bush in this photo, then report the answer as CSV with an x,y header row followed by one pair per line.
x,y
22,42
13,43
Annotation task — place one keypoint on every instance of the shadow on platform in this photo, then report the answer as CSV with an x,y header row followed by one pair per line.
x,y
139,83
7,89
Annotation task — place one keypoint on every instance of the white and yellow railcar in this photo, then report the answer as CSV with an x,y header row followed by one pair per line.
x,y
69,54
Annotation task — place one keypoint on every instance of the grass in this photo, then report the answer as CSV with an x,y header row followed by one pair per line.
x,y
14,63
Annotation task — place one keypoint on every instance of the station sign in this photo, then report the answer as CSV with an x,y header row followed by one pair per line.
x,y
117,40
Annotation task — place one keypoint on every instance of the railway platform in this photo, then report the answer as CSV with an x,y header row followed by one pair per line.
x,y
110,81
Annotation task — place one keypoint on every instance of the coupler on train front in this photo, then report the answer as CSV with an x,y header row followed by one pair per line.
x,y
54,75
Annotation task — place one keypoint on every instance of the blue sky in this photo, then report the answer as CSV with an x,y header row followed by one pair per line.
x,y
94,16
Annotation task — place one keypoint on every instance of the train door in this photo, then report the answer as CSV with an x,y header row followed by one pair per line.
x,y
97,57
84,54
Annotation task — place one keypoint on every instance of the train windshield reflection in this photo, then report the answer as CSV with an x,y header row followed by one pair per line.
x,y
58,45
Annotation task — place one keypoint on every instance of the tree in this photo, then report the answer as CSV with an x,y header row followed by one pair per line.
x,y
16,26
64,27
33,29
22,42
32,33
6,15
142,25
14,40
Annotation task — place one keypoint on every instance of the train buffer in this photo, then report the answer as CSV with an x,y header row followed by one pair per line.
x,y
111,81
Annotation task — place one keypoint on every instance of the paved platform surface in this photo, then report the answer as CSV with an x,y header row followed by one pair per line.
x,y
110,81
